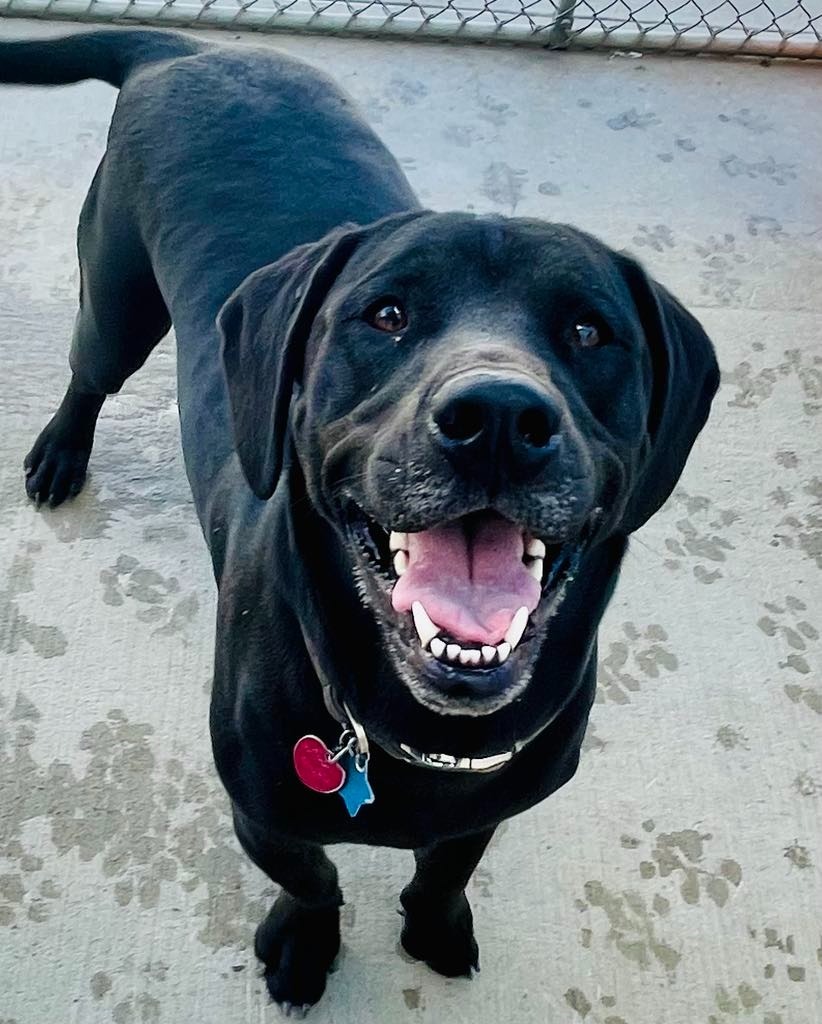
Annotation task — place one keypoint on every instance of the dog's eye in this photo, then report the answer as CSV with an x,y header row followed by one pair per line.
x,y
387,315
588,335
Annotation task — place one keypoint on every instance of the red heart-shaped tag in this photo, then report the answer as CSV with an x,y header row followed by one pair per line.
x,y
314,767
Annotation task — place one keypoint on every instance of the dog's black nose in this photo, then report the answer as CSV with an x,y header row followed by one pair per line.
x,y
496,424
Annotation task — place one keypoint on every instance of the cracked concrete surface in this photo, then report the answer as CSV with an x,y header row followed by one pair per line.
x,y
676,880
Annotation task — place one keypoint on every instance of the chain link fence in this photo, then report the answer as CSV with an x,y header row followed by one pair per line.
x,y
788,28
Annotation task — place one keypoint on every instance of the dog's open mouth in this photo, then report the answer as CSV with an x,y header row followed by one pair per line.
x,y
466,598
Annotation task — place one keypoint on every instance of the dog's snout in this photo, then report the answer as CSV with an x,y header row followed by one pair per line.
x,y
496,420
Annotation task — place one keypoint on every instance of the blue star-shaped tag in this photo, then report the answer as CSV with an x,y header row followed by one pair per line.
x,y
356,789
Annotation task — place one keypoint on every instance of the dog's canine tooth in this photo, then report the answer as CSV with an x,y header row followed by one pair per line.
x,y
517,627
425,627
397,541
437,647
400,562
503,650
453,651
535,569
488,654
535,548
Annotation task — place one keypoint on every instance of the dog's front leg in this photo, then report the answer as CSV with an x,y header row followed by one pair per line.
x,y
299,938
439,926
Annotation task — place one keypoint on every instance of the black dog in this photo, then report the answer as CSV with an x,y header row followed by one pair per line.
x,y
417,444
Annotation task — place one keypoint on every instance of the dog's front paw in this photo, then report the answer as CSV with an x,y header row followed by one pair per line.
x,y
55,467
298,947
442,935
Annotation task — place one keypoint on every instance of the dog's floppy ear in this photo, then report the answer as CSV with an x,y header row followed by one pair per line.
x,y
685,377
264,327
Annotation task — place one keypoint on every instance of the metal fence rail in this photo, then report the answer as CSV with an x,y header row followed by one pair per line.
x,y
789,28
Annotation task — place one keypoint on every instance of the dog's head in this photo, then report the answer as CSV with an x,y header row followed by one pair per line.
x,y
474,403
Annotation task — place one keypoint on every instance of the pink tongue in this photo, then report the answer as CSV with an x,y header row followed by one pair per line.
x,y
470,583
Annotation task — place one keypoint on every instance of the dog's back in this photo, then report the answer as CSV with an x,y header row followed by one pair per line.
x,y
219,161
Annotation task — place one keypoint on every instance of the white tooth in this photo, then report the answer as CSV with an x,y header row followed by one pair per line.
x,y
517,627
535,569
503,650
425,627
400,562
465,657
453,651
476,658
535,548
488,654
397,541
437,647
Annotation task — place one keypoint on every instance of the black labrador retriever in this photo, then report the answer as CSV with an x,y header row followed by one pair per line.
x,y
417,444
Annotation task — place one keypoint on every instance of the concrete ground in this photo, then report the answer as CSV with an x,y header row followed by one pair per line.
x,y
676,880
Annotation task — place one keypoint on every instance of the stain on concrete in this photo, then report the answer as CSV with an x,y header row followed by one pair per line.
x,y
482,881
17,630
798,855
592,741
807,784
412,997
729,737
578,1002
100,984
503,185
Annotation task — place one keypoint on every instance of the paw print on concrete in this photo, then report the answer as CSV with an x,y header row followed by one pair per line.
x,y
163,825
769,169
758,124
594,1010
788,622
699,539
680,856
762,225
719,257
633,119
799,641
406,91
132,994
729,738
669,866
641,655
753,387
157,597
496,112
18,629
632,925
658,238
779,963
740,1000
801,529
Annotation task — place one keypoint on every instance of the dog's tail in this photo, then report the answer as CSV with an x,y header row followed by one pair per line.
x,y
109,56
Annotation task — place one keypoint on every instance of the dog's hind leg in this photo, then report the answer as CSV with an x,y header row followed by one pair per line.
x,y
299,939
439,926
122,317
